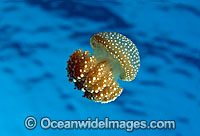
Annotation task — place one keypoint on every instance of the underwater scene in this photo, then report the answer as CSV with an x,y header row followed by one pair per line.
x,y
37,38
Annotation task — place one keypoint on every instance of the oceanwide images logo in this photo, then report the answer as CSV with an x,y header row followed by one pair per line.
x,y
129,125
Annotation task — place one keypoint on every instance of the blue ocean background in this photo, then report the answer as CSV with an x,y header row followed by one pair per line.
x,y
38,36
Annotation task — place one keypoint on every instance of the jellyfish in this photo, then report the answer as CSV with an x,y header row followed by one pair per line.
x,y
114,57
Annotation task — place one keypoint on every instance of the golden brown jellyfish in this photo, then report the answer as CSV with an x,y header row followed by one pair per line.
x,y
114,56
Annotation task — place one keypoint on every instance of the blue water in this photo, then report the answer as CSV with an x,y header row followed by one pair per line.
x,y
37,37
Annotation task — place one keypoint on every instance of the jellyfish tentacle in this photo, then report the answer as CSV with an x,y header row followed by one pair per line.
x,y
94,78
